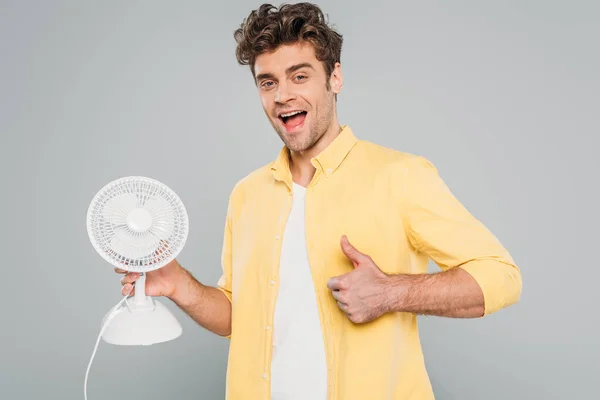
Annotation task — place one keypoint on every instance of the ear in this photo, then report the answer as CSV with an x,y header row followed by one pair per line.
x,y
336,80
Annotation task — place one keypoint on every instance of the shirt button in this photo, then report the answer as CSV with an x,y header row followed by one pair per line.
x,y
271,282
268,327
277,237
329,170
264,376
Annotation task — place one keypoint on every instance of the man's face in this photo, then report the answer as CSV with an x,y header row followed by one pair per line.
x,y
292,85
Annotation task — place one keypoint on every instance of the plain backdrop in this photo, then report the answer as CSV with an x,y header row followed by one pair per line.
x,y
503,97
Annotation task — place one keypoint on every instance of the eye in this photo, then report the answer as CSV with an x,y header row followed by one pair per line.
x,y
267,84
300,77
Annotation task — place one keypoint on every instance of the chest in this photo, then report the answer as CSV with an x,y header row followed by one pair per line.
x,y
363,209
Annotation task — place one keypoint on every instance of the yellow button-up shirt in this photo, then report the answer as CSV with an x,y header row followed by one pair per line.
x,y
392,206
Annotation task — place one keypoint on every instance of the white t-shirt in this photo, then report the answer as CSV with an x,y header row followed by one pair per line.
x,y
298,369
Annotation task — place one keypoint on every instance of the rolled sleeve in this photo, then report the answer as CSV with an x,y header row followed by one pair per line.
x,y
499,280
438,225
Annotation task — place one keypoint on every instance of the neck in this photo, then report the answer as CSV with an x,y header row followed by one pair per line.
x,y
301,168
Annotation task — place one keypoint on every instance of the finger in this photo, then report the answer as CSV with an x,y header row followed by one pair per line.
x,y
120,271
333,283
351,252
130,278
128,289
336,294
340,296
343,307
338,283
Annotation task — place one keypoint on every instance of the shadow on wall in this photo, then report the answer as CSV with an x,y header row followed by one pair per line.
x,y
440,392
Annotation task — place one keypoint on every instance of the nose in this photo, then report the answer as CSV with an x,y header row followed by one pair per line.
x,y
284,93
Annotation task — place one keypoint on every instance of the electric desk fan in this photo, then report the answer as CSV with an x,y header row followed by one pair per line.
x,y
139,225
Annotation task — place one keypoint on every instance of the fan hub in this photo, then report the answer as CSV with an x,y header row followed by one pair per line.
x,y
139,220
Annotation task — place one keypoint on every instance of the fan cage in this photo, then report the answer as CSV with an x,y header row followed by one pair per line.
x,y
134,251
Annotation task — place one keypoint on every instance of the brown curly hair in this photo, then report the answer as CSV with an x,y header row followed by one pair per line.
x,y
267,28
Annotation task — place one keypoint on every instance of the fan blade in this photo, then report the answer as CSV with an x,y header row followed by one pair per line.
x,y
156,203
163,217
132,247
121,248
116,209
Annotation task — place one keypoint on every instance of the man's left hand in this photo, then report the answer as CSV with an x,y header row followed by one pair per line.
x,y
361,293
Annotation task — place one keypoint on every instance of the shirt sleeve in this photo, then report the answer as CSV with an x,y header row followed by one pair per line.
x,y
438,225
224,283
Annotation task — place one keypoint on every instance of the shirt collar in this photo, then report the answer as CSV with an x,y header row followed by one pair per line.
x,y
327,161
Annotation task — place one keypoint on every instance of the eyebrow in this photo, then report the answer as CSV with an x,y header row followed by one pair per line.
x,y
288,71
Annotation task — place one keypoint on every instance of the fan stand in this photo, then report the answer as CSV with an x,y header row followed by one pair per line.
x,y
142,321
141,302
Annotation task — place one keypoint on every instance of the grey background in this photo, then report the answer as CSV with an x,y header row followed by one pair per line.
x,y
501,96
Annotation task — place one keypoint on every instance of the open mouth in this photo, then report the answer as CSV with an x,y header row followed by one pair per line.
x,y
292,119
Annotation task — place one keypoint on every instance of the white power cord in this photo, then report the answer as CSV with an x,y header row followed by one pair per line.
x,y
106,322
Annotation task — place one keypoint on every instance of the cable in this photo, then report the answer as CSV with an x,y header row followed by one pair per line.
x,y
110,316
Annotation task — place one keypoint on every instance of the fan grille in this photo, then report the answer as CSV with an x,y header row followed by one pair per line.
x,y
137,224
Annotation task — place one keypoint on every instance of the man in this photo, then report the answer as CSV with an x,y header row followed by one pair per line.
x,y
326,248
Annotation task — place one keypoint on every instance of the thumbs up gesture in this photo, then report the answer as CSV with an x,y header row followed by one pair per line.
x,y
360,293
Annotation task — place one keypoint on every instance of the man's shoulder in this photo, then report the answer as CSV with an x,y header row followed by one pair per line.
x,y
257,179
391,159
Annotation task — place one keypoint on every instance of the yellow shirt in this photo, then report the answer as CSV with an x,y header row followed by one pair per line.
x,y
392,206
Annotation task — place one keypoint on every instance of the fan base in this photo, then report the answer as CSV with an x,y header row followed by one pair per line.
x,y
144,326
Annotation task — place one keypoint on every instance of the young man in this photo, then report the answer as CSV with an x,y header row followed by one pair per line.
x,y
326,248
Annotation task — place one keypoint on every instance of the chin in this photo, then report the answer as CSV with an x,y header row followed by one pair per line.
x,y
300,143
297,147
293,143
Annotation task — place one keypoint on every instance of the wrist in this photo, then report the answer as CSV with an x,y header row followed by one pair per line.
x,y
185,288
396,292
180,283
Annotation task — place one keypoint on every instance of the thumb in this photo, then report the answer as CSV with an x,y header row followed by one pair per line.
x,y
351,252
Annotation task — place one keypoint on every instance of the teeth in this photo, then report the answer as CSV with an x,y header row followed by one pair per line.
x,y
290,114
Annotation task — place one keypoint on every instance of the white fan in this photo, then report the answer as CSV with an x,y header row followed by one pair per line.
x,y
137,224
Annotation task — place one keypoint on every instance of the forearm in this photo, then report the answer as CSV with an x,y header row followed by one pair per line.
x,y
452,293
206,305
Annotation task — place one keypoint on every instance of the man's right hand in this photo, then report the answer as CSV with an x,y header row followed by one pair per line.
x,y
207,305
161,282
